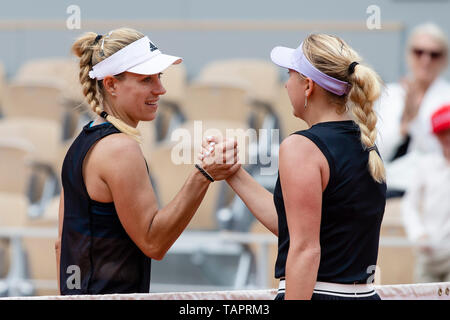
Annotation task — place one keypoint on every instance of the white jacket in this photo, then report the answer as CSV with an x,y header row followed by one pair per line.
x,y
426,204
389,109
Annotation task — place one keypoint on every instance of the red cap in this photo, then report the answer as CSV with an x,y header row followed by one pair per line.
x,y
440,120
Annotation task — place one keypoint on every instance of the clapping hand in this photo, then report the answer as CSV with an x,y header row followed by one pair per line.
x,y
413,100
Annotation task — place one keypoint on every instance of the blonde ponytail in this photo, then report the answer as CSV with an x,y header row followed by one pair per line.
x,y
365,91
333,56
91,50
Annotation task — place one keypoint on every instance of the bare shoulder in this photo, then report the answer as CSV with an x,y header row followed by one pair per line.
x,y
299,147
296,152
117,151
119,146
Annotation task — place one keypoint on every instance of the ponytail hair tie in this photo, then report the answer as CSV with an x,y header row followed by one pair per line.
x,y
104,114
351,67
97,38
371,148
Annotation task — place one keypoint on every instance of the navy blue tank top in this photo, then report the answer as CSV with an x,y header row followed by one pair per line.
x,y
352,207
97,255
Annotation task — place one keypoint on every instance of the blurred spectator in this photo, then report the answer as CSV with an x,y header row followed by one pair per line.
x,y
405,107
426,206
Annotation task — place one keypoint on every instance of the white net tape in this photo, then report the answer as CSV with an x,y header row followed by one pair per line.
x,y
423,291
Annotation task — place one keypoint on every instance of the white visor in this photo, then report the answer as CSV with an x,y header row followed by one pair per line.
x,y
284,57
141,57
295,59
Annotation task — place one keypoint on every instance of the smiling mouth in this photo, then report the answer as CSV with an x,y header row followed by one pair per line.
x,y
154,104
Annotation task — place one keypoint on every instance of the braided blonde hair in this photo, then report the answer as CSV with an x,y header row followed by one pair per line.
x,y
333,56
91,49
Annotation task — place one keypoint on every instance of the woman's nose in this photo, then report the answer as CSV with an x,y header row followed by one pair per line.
x,y
425,59
159,89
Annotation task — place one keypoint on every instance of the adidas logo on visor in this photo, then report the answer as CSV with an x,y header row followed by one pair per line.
x,y
152,47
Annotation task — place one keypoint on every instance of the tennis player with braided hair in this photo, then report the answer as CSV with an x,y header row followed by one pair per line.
x,y
110,225
330,195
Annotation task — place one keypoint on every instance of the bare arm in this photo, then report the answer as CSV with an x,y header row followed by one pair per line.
x,y
302,193
258,199
58,241
166,225
153,230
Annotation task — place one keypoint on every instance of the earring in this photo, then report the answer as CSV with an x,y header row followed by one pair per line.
x,y
306,101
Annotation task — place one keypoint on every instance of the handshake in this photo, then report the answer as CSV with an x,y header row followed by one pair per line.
x,y
219,158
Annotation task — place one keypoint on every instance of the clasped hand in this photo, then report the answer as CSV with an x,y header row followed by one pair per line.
x,y
219,158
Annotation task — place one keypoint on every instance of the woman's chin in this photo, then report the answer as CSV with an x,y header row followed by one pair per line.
x,y
149,116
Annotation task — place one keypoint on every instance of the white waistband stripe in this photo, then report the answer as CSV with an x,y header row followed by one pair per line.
x,y
337,289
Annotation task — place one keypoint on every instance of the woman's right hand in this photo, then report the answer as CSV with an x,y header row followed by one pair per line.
x,y
219,158
413,100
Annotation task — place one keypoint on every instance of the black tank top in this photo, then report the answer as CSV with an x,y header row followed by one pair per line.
x,y
94,243
352,207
